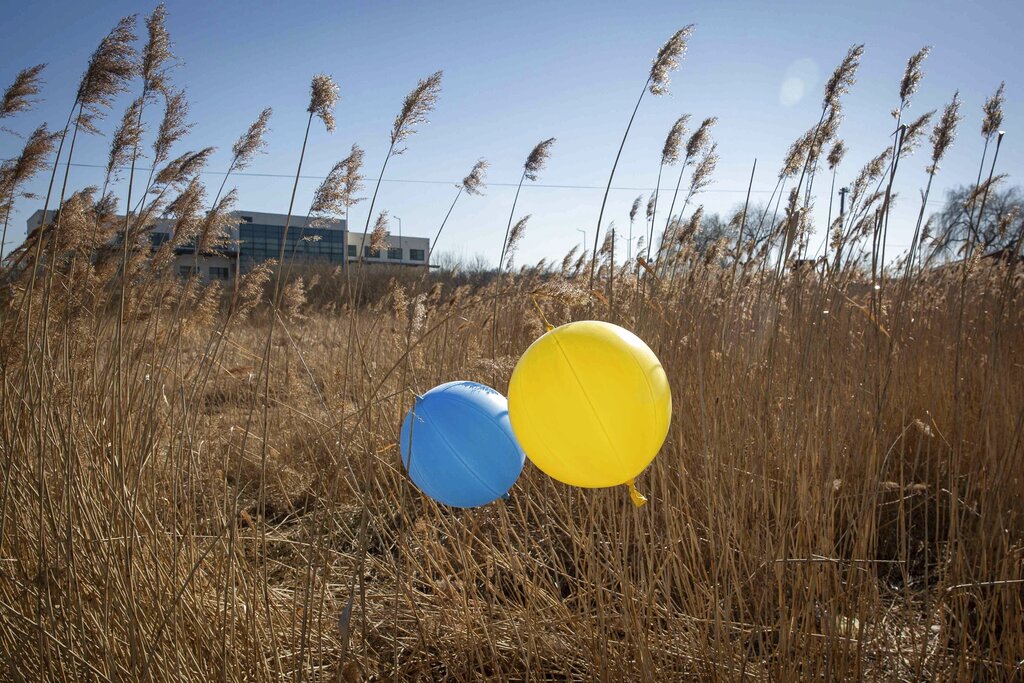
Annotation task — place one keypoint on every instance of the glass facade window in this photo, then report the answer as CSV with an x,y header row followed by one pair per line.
x,y
371,253
185,271
158,238
218,273
395,254
417,255
262,242
352,251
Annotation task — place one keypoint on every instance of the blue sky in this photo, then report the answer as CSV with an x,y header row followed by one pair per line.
x,y
516,73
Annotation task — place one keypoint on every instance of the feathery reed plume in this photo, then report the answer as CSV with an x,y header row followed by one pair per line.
x,y
110,68
415,108
252,286
650,205
18,96
156,55
537,159
125,139
514,238
606,245
16,172
216,224
704,170
993,109
670,150
912,75
182,168
796,157
844,76
668,59
635,208
701,137
692,226
173,125
913,133
836,154
323,96
337,192
379,236
474,182
942,137
293,298
351,179
993,112
533,165
698,142
945,131
252,142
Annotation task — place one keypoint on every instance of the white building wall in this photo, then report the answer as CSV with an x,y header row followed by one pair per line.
x,y
409,246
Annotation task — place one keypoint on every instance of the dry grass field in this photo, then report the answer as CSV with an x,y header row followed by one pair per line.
x,y
201,481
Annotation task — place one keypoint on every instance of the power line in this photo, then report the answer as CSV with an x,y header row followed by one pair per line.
x,y
423,181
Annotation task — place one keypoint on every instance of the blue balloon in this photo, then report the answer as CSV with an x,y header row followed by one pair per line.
x,y
458,446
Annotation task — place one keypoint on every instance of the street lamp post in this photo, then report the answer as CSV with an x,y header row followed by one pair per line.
x,y
581,230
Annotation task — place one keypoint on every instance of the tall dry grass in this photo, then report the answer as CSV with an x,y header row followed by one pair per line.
x,y
205,485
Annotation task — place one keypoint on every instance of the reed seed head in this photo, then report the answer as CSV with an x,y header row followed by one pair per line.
x,y
173,125
912,75
514,238
843,77
156,54
700,138
945,131
705,169
668,59
126,138
337,191
670,150
415,108
913,133
379,236
252,141
635,208
111,67
606,244
538,159
181,169
474,182
836,154
993,109
15,172
323,95
19,95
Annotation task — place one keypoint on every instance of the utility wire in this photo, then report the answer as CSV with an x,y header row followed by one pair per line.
x,y
420,181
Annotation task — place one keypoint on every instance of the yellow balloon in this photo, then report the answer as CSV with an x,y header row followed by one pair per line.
x,y
590,404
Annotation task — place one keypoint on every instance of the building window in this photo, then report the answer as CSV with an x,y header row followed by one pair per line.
x,y
371,253
417,255
186,271
218,273
352,251
395,253
246,219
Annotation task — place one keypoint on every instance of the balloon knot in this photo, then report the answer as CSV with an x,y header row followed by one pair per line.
x,y
638,498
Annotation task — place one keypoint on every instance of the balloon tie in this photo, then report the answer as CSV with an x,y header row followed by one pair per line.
x,y
549,326
638,498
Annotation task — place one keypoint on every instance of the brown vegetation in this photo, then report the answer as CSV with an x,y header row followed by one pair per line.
x,y
201,484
